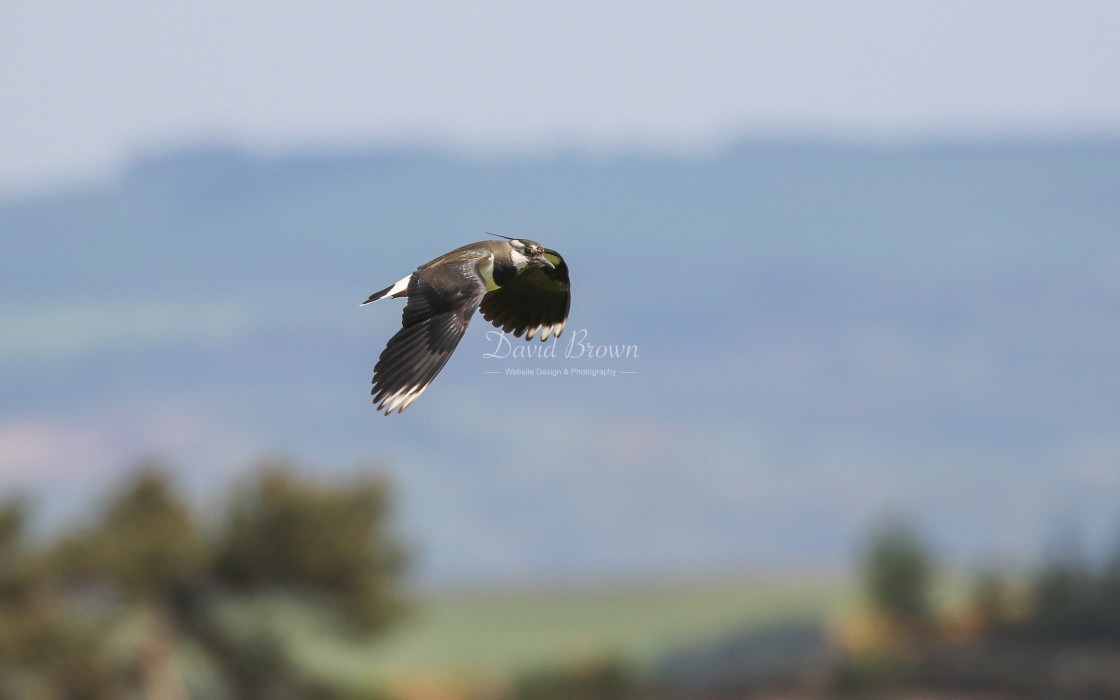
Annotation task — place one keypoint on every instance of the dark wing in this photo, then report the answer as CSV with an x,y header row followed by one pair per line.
x,y
434,320
536,301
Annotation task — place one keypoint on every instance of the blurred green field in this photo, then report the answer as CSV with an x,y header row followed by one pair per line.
x,y
497,635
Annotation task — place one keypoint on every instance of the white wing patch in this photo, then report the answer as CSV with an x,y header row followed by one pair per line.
x,y
553,329
400,400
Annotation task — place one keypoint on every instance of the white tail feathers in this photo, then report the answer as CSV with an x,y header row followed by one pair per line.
x,y
399,289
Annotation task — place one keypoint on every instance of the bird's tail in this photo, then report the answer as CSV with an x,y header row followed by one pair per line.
x,y
399,289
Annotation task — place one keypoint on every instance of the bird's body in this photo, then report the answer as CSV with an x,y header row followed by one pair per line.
x,y
519,285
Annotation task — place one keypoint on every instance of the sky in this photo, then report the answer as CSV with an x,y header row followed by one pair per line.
x,y
88,86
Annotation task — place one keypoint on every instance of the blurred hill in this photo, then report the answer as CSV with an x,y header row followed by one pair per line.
x,y
822,331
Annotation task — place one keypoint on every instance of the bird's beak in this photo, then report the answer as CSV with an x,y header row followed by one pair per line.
x,y
548,262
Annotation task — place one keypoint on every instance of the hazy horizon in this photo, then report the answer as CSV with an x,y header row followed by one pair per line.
x,y
824,333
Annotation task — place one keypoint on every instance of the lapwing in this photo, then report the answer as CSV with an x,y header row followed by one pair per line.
x,y
520,285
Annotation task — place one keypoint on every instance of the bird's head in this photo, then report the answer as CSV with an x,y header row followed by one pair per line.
x,y
528,253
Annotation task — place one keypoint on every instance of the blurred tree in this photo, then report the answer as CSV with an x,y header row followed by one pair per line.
x,y
899,576
1075,600
147,564
1109,593
143,553
287,533
146,545
1063,601
44,652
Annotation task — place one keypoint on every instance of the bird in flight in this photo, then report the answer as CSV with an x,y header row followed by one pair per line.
x,y
520,286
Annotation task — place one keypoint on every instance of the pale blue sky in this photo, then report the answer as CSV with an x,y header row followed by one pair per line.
x,y
86,86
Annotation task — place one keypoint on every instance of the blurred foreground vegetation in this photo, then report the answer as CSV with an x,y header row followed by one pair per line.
x,y
287,590
150,591
1050,632
920,632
